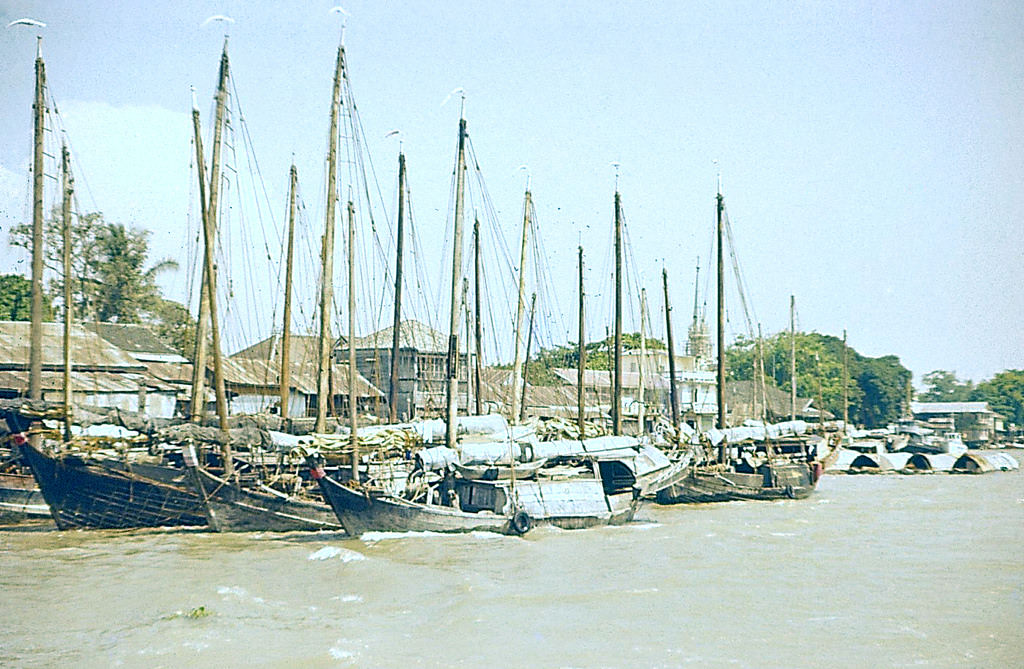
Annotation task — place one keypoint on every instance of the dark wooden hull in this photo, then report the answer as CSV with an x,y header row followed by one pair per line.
x,y
701,484
20,499
232,508
360,512
90,495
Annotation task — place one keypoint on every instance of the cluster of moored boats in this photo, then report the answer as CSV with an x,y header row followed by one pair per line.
x,y
908,448
500,477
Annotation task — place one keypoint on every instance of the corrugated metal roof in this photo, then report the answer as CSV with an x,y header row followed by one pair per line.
x,y
949,407
256,373
304,349
602,378
497,387
88,350
412,334
82,382
134,338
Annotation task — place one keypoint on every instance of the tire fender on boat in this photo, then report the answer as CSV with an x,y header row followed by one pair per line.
x,y
521,522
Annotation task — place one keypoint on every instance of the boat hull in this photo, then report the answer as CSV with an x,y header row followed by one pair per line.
x,y
575,504
88,495
701,485
232,508
361,512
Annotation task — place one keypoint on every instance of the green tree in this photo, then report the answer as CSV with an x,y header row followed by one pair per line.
x,y
129,291
1005,394
16,299
943,386
174,324
875,385
110,281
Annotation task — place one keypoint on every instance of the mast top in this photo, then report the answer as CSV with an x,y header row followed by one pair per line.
x,y
696,292
338,9
39,47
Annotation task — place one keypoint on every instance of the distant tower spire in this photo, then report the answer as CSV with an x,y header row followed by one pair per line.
x,y
698,341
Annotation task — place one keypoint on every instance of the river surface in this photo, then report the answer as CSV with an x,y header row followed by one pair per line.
x,y
871,571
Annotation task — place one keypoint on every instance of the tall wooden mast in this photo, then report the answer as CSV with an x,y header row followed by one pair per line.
x,y
478,330
69,189
452,404
526,365
286,332
197,407
327,255
396,337
671,355
468,324
792,357
353,404
209,292
721,318
641,386
210,230
846,384
517,360
617,366
582,358
35,353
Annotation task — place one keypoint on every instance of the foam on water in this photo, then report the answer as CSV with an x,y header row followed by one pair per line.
x,y
329,552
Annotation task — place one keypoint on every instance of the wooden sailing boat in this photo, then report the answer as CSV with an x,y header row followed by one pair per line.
x,y
736,472
80,491
232,502
463,505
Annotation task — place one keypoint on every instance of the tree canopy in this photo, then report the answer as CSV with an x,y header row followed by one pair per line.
x,y
876,389
1005,394
943,386
111,281
16,299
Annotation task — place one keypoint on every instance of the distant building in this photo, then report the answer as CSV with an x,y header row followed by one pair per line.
x,y
422,368
745,400
975,421
102,374
539,401
252,377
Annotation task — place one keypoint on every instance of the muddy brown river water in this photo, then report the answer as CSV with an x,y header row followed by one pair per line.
x,y
872,571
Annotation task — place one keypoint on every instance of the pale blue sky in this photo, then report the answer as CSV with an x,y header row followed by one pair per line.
x,y
872,153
